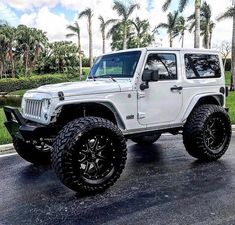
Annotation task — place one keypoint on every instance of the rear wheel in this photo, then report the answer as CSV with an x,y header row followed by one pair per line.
x,y
146,139
89,154
36,154
207,132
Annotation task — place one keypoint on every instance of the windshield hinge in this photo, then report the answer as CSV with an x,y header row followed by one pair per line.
x,y
141,115
141,94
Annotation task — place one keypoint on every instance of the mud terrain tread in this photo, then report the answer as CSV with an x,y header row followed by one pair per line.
x,y
63,151
193,132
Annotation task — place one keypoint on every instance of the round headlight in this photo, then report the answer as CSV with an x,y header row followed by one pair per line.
x,y
46,104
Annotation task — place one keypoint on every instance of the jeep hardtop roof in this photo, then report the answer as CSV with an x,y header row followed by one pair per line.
x,y
185,50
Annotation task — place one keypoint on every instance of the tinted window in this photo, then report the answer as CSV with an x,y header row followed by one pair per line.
x,y
165,64
202,66
116,65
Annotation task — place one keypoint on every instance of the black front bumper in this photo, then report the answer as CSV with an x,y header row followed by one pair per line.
x,y
18,127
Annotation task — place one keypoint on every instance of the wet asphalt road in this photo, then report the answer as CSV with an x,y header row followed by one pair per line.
x,y
161,184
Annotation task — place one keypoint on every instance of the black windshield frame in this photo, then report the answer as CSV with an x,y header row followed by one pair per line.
x,y
128,60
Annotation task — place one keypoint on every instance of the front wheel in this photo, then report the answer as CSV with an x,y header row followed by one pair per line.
x,y
89,154
36,154
207,132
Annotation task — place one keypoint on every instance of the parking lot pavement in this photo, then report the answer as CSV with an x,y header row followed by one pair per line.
x,y
161,184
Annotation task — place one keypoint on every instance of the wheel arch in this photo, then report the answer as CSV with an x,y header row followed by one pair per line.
x,y
104,110
216,99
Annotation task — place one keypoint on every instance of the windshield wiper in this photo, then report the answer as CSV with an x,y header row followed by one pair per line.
x,y
92,77
106,75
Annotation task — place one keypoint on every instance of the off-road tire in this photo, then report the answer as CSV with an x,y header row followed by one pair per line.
x,y
200,140
146,139
69,147
30,153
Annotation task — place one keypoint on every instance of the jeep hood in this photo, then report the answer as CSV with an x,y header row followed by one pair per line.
x,y
84,87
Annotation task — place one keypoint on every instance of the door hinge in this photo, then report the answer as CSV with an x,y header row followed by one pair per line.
x,y
141,94
141,115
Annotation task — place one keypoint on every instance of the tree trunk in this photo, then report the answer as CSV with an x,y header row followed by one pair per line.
x,y
90,43
26,60
182,44
171,40
12,62
225,61
80,65
103,39
210,39
124,38
1,69
35,58
233,55
80,57
197,24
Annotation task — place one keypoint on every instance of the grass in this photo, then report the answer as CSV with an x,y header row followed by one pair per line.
x,y
4,135
231,105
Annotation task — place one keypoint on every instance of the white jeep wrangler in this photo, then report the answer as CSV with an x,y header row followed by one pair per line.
x,y
138,94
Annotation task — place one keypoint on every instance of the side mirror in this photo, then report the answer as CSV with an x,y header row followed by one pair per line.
x,y
148,76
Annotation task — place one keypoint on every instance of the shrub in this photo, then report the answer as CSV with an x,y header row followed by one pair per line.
x,y
13,84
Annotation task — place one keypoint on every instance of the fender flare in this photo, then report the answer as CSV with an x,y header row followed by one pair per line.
x,y
219,98
109,105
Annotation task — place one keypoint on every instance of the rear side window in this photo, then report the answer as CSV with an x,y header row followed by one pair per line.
x,y
202,66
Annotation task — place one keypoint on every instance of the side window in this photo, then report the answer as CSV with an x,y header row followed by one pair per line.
x,y
202,66
165,63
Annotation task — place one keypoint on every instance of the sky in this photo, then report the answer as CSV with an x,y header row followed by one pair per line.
x,y
53,16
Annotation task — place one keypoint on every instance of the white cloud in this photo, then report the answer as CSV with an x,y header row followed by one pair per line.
x,y
30,4
7,14
54,25
42,17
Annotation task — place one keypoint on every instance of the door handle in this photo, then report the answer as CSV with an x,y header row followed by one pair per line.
x,y
176,88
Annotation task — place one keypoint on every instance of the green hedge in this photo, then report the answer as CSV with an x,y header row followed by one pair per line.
x,y
13,84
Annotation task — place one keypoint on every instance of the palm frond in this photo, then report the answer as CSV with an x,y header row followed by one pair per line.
x,y
166,5
70,35
111,21
113,29
162,25
132,8
85,13
191,17
120,8
227,14
182,5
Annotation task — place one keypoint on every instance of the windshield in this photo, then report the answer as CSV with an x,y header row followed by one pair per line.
x,y
118,65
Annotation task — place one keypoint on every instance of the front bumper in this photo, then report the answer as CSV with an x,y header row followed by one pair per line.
x,y
18,127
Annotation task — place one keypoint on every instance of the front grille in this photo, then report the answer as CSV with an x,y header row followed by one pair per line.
x,y
33,108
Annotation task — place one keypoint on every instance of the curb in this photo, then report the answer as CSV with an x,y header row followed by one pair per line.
x,y
8,148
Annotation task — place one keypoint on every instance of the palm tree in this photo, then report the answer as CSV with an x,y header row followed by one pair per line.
x,y
75,29
125,12
143,36
230,13
182,5
25,40
39,42
10,32
4,46
88,13
103,26
180,29
172,20
206,24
